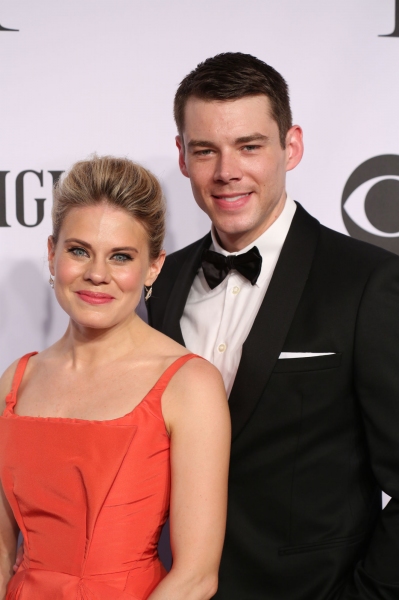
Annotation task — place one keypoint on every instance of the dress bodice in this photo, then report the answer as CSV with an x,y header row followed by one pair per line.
x,y
90,498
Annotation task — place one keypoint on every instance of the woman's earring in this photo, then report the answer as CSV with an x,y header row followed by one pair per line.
x,y
148,292
51,281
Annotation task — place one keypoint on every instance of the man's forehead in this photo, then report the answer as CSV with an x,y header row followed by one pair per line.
x,y
244,116
195,103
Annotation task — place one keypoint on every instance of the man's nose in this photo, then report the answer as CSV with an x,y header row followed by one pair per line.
x,y
228,167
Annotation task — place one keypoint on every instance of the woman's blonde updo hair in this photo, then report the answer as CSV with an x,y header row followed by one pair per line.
x,y
118,182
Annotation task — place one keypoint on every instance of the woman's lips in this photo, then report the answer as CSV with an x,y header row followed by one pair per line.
x,y
94,297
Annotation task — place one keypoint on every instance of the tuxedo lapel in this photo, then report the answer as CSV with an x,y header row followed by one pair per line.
x,y
178,296
266,338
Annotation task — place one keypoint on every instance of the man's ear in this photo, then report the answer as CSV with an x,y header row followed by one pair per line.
x,y
182,159
294,147
155,268
51,253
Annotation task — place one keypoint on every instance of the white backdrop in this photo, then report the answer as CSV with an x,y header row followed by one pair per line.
x,y
83,76
99,75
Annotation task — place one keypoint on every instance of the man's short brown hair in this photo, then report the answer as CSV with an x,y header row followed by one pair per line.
x,y
234,75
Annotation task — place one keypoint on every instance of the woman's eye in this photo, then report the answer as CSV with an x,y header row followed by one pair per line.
x,y
78,251
121,257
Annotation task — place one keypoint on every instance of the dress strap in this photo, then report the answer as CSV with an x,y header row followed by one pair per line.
x,y
167,375
11,398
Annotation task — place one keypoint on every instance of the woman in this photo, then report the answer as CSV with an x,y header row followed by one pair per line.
x,y
98,431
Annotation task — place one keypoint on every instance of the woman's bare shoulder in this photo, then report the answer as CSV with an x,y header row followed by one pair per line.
x,y
197,382
194,369
198,372
195,398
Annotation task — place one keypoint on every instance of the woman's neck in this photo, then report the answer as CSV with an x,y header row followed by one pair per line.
x,y
89,346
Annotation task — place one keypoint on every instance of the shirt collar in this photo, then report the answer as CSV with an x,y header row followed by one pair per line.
x,y
269,243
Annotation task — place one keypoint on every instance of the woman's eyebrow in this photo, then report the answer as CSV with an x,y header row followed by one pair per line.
x,y
87,245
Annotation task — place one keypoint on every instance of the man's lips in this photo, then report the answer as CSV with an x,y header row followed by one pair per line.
x,y
232,201
94,297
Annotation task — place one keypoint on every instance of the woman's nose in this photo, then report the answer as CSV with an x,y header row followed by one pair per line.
x,y
98,272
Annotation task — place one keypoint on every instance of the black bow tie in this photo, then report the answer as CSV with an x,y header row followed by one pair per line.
x,y
217,266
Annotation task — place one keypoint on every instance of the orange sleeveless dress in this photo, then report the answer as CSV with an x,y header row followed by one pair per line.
x,y
90,498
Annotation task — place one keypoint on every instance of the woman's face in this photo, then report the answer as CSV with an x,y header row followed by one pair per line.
x,y
100,265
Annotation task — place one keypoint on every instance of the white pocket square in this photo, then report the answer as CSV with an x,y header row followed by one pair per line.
x,y
303,354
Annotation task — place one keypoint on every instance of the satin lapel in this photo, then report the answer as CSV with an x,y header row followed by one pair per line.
x,y
266,338
178,297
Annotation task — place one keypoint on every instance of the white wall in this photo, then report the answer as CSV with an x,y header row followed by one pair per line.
x,y
83,76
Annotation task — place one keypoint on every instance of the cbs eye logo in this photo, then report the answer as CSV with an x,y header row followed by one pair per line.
x,y
370,202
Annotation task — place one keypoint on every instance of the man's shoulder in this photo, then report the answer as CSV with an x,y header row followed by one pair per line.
x,y
353,249
341,253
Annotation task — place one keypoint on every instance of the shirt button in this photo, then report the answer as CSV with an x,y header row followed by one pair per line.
x,y
222,347
235,290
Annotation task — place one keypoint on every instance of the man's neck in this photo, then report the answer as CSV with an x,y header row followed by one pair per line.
x,y
235,242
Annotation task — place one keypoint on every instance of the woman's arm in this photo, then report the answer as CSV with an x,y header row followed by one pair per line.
x,y
8,526
8,543
197,416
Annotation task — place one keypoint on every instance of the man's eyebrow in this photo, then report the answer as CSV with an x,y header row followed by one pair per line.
x,y
199,144
246,139
256,137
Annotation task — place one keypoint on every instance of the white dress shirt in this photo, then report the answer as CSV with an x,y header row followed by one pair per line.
x,y
215,323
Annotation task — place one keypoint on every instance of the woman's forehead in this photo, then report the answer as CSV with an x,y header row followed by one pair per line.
x,y
102,222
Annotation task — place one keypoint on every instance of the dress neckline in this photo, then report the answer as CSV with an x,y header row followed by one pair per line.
x,y
11,398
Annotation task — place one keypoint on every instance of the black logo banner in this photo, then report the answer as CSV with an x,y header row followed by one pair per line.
x,y
395,32
380,203
20,197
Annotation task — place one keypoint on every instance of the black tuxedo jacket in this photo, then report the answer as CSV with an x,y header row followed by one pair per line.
x,y
314,439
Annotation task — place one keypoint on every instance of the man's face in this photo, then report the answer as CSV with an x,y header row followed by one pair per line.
x,y
232,154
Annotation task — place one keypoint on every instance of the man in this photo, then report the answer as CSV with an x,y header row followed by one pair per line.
x,y
304,326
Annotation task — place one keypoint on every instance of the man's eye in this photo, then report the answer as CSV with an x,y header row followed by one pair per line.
x,y
121,257
251,147
78,251
203,152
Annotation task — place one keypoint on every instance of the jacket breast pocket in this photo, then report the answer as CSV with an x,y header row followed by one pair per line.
x,y
308,363
318,547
